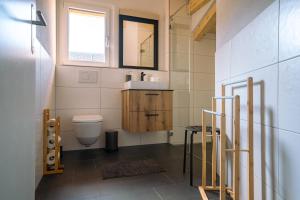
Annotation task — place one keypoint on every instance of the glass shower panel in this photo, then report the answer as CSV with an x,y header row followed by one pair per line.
x,y
180,67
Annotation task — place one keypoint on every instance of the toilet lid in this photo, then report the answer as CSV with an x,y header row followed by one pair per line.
x,y
87,118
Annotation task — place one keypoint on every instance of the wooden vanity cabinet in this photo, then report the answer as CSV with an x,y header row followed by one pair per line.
x,y
147,110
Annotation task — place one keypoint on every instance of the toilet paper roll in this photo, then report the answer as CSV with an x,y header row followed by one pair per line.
x,y
51,130
51,158
51,141
51,122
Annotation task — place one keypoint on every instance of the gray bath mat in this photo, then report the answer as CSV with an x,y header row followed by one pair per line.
x,y
131,168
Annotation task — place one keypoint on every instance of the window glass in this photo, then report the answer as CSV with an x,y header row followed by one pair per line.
x,y
87,36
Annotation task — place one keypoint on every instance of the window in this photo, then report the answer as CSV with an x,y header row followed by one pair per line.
x,y
87,37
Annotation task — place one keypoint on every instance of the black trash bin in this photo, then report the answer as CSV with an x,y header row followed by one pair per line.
x,y
111,140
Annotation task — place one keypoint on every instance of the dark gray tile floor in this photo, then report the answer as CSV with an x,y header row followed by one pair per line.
x,y
82,178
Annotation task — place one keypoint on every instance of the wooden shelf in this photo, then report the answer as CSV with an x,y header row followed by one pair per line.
x,y
58,168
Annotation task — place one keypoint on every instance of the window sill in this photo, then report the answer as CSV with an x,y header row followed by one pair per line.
x,y
86,64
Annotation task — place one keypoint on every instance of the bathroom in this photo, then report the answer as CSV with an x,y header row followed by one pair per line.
x,y
106,99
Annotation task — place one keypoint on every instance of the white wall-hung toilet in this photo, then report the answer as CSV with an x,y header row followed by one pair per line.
x,y
87,128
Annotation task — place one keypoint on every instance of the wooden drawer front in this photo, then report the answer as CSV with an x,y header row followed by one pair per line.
x,y
163,121
150,121
165,101
146,101
142,121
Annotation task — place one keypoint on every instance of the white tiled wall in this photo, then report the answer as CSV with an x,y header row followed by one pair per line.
x,y
202,78
268,50
102,97
45,98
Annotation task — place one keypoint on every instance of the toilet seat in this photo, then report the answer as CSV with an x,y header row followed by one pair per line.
x,y
87,118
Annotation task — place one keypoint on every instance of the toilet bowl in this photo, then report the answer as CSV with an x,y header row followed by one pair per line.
x,y
87,128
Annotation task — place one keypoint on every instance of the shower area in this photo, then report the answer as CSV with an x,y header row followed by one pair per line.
x,y
191,69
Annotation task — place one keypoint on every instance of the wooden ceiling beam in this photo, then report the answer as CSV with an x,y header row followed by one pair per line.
x,y
195,5
206,23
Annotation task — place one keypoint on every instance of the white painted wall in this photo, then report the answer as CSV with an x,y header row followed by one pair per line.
x,y
17,101
45,50
267,48
104,96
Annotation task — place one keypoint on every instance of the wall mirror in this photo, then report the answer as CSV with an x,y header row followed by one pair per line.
x,y
138,43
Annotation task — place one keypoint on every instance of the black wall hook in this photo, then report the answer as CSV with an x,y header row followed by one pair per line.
x,y
41,18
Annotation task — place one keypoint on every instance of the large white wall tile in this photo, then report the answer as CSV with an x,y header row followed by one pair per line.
x,y
47,84
112,78
128,139
264,95
180,43
180,116
110,98
178,136
289,87
202,99
74,98
203,64
257,44
223,62
179,80
68,76
265,154
154,138
203,82
289,31
181,98
181,27
263,191
206,47
180,62
289,164
111,118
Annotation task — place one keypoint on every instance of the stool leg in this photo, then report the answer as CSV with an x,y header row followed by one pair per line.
x,y
184,155
191,159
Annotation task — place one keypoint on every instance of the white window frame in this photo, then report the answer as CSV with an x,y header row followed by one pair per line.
x,y
65,34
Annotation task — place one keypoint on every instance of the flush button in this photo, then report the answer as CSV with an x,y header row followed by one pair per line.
x,y
88,76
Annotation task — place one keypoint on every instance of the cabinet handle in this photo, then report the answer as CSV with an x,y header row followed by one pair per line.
x,y
152,94
151,115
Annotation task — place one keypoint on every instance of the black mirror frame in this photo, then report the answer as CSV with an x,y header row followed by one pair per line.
x,y
123,18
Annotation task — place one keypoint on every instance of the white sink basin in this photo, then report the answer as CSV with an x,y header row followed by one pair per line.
x,y
146,85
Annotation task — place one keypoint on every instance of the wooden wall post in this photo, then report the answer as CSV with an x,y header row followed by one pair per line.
x,y
214,145
222,150
203,150
236,148
250,140
46,117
